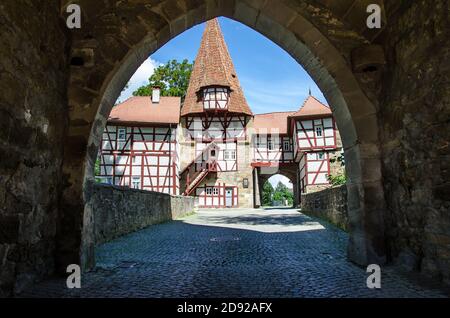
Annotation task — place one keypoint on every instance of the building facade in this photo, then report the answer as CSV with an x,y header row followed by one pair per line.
x,y
139,148
213,146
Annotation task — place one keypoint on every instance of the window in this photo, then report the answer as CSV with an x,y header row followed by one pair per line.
x,y
229,155
109,180
270,144
209,191
136,184
215,98
320,156
319,130
287,145
121,134
215,191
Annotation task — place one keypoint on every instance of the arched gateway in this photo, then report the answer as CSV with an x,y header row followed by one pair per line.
x,y
387,88
149,30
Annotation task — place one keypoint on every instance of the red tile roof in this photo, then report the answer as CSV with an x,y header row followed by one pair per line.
x,y
312,107
214,67
141,110
272,122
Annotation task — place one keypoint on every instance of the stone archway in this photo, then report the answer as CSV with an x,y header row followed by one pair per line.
x,y
118,37
263,175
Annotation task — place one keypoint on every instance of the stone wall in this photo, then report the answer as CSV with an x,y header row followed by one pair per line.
x,y
33,117
329,204
415,117
118,211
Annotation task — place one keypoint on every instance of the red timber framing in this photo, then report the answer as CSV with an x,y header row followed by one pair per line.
x,y
144,158
272,148
217,126
214,196
314,134
313,170
225,155
216,98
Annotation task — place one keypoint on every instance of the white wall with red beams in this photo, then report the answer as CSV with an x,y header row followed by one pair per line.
x,y
224,163
307,138
217,198
207,128
279,153
313,170
146,159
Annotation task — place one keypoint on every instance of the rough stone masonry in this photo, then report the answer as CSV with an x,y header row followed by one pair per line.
x,y
396,114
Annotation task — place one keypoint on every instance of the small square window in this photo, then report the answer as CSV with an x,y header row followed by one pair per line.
x,y
121,134
320,156
136,183
230,155
319,130
215,191
208,191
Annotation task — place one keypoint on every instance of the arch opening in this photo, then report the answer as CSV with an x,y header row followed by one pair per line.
x,y
311,49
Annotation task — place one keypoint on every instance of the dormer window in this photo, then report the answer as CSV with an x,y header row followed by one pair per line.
x,y
216,98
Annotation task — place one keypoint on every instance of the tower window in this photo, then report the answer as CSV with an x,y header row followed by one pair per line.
x,y
216,98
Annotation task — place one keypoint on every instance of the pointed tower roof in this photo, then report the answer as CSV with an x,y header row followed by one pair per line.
x,y
312,107
214,67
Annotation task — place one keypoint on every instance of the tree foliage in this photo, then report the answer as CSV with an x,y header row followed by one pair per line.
x,y
283,193
267,193
340,179
337,180
280,194
172,78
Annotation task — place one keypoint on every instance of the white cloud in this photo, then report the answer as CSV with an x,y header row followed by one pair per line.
x,y
139,78
279,178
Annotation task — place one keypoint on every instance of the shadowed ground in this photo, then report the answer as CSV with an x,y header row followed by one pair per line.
x,y
234,253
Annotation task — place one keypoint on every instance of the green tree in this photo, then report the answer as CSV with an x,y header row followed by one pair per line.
x,y
283,193
172,78
267,193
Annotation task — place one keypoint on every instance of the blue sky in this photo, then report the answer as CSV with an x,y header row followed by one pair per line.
x,y
271,79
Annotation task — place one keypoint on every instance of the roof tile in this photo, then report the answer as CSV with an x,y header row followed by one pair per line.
x,y
214,67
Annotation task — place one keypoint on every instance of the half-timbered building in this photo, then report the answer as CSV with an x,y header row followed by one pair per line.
x,y
317,145
213,147
139,148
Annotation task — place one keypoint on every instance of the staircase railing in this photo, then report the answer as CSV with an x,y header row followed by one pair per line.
x,y
195,168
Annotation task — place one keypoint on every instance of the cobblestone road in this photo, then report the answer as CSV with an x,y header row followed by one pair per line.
x,y
233,253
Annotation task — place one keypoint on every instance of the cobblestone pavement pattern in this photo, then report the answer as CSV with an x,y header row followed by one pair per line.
x,y
233,253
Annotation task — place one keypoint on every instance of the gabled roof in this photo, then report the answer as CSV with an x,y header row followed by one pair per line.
x,y
312,107
272,123
214,67
141,110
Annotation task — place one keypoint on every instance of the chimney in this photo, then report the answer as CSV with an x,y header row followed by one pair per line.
x,y
156,94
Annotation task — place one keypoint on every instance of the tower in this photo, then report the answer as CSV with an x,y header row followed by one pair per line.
x,y
215,114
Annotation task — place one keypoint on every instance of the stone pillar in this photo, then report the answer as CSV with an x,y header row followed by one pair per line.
x,y
256,189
